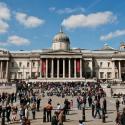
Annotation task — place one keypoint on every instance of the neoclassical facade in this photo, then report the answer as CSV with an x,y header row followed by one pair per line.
x,y
61,63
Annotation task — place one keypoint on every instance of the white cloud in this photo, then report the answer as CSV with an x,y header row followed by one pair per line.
x,y
112,35
91,20
3,27
4,16
29,21
66,10
3,43
4,12
52,9
18,41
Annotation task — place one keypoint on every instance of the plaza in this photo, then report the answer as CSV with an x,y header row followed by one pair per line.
x,y
75,115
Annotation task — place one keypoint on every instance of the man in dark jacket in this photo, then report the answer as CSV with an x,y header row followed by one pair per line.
x,y
122,120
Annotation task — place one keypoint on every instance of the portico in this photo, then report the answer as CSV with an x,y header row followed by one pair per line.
x,y
61,65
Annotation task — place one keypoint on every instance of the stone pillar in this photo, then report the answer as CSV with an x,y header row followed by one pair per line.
x,y
6,70
40,68
52,72
63,68
69,68
75,68
113,69
91,69
46,68
1,70
31,69
119,70
80,68
57,68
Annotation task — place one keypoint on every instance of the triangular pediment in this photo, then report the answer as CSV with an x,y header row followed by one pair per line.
x,y
62,52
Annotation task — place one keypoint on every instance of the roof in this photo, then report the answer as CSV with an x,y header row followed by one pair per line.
x,y
106,48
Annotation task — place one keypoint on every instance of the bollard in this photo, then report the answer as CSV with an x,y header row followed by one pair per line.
x,y
44,115
103,115
3,117
83,114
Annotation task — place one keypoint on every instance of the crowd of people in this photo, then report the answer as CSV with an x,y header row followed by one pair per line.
x,y
29,95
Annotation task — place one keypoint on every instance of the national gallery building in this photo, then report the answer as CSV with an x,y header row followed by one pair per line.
x,y
61,63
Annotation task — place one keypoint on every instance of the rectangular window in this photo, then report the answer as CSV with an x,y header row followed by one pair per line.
x,y
101,64
101,75
20,64
20,75
12,64
33,64
108,75
116,75
28,64
108,64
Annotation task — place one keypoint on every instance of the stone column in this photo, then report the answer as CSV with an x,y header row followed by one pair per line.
x,y
80,68
69,68
1,70
31,69
46,68
113,69
119,70
57,68
40,68
6,70
52,72
75,68
63,68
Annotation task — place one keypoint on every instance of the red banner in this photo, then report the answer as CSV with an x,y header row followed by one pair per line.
x,y
77,65
43,67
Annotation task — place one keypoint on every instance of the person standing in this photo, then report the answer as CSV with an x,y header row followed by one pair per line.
x,y
117,105
122,119
33,108
117,120
93,109
54,119
98,107
38,103
8,111
49,110
105,105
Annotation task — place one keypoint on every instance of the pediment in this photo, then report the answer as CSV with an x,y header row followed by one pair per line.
x,y
61,52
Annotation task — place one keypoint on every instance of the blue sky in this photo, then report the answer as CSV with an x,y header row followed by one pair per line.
x,y
32,24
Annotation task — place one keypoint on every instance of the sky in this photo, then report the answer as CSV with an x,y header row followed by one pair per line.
x,y
32,24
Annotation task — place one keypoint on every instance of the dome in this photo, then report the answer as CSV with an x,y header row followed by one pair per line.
x,y
61,37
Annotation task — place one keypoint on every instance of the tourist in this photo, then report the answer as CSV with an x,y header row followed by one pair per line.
x,y
54,120
14,113
0,110
90,101
26,112
8,111
117,105
49,108
93,109
122,119
61,117
81,122
104,105
33,108
38,103
117,120
97,109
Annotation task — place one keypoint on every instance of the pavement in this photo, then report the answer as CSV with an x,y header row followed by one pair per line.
x,y
76,115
